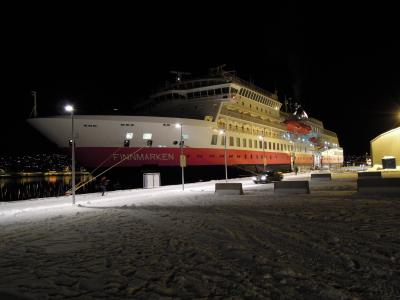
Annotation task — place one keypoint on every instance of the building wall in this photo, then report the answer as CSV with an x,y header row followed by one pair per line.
x,y
386,144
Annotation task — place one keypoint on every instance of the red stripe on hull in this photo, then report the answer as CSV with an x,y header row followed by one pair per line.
x,y
133,157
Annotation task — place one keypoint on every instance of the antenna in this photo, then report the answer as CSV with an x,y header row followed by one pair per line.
x,y
179,75
217,69
34,109
286,104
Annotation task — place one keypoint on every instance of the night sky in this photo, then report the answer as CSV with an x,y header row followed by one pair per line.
x,y
341,62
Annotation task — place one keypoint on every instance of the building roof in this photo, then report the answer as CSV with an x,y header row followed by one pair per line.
x,y
385,133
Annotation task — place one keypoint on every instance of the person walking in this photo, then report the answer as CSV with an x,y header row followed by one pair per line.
x,y
296,170
103,185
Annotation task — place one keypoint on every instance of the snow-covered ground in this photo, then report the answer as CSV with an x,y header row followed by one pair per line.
x,y
172,244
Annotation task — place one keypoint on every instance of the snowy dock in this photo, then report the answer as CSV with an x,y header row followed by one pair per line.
x,y
166,243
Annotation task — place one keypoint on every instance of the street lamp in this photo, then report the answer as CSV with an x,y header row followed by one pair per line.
x,y
181,156
223,132
292,154
261,137
70,108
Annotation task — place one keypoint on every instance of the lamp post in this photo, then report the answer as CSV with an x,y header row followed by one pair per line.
x,y
223,132
180,125
292,155
261,137
70,108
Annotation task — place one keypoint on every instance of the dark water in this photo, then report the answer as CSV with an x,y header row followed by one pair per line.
x,y
20,188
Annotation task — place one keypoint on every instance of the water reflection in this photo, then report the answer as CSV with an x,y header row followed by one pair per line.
x,y
19,188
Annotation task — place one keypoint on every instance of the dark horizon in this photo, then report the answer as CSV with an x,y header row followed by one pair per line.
x,y
340,62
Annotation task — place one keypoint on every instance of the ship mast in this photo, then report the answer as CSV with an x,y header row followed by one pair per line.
x,y
179,75
34,109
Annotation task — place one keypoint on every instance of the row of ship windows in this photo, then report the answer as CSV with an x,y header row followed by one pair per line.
x,y
261,109
246,156
196,84
95,125
244,142
256,144
208,93
256,97
270,133
199,94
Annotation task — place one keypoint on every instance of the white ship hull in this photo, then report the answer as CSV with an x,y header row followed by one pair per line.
x,y
99,141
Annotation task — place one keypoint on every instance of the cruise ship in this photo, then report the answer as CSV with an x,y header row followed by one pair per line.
x,y
215,120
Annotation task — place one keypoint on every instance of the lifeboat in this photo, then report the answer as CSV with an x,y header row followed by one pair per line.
x,y
297,127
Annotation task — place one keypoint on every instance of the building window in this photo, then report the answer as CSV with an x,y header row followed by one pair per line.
x,y
231,141
273,146
260,144
269,145
250,143
244,143
255,143
223,141
214,139
237,142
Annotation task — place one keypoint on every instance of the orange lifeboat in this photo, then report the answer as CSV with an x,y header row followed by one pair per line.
x,y
297,127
